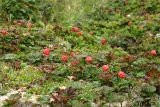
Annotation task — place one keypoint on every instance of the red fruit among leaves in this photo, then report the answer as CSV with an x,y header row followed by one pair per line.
x,y
74,63
105,67
80,33
75,29
103,41
88,59
153,52
91,33
4,32
121,74
46,52
64,58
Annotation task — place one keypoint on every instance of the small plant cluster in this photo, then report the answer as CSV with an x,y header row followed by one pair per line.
x,y
12,37
108,56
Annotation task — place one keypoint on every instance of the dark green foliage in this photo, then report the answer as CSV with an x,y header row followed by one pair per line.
x,y
19,9
130,27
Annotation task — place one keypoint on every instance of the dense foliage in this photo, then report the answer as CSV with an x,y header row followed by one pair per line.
x,y
80,53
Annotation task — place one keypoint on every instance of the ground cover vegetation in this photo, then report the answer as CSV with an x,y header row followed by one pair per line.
x,y
80,53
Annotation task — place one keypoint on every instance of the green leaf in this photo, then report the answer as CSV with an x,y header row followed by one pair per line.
x,y
148,88
140,74
10,56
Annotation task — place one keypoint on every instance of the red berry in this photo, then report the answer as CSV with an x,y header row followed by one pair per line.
x,y
74,63
88,59
91,33
75,29
121,74
105,67
153,52
46,52
64,58
4,32
103,41
80,33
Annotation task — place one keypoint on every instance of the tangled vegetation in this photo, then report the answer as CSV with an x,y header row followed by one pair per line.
x,y
80,53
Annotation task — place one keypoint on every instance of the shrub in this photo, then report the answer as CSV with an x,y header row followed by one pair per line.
x,y
19,9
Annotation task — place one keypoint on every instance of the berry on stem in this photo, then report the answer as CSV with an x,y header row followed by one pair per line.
x,y
105,67
153,52
46,52
88,59
64,58
4,32
121,74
